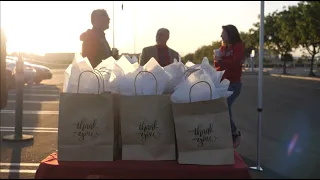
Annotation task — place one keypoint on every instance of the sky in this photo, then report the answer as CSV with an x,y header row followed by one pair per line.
x,y
55,26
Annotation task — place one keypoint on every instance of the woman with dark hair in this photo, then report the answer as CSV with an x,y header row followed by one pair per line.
x,y
230,59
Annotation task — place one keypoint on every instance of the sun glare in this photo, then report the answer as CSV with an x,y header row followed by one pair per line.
x,y
44,27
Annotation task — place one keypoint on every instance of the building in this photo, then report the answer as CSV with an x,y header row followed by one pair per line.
x,y
64,58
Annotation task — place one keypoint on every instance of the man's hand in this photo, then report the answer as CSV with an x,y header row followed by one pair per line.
x,y
115,53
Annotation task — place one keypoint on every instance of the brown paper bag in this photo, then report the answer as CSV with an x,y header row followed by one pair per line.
x,y
147,128
86,127
203,132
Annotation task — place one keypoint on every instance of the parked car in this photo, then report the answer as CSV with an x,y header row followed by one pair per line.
x,y
33,73
42,72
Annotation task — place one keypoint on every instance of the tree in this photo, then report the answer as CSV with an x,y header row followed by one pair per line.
x,y
302,28
200,53
204,51
216,45
188,57
275,38
251,41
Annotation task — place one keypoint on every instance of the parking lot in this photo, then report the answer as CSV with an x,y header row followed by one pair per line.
x,y
290,147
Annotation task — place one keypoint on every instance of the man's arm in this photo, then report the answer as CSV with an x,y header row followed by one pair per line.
x,y
177,55
143,57
174,55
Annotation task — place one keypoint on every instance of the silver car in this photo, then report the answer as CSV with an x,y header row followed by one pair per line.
x,y
33,73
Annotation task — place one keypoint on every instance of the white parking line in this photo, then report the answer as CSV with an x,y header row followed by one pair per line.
x,y
44,87
36,102
18,171
28,131
38,90
20,164
38,95
31,128
30,112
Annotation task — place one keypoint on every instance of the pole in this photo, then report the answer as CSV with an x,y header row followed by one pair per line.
x,y
252,65
19,97
134,31
113,23
260,79
19,76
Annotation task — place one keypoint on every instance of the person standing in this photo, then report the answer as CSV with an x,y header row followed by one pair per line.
x,y
230,60
95,45
161,52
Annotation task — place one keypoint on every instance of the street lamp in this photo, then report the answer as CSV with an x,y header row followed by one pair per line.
x,y
115,51
113,24
134,30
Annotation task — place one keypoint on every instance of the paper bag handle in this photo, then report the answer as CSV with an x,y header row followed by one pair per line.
x,y
198,83
190,71
102,78
135,79
92,73
104,69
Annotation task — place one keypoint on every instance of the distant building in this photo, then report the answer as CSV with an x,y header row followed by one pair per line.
x,y
268,54
59,57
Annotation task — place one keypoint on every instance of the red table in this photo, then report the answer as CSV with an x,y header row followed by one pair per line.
x,y
50,168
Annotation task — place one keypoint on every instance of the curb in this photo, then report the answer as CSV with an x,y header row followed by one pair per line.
x,y
296,77
265,73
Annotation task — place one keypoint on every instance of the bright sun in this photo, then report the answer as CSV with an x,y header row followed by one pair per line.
x,y
44,27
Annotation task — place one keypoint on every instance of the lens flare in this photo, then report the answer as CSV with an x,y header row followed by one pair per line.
x,y
292,144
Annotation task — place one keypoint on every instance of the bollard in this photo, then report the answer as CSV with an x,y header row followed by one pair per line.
x,y
252,64
19,76
252,60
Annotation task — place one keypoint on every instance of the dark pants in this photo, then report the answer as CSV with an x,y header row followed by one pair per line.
x,y
236,88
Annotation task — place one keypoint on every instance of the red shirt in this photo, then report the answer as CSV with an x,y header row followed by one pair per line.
x,y
163,55
231,62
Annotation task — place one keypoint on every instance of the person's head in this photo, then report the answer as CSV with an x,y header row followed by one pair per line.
x,y
100,19
230,35
162,36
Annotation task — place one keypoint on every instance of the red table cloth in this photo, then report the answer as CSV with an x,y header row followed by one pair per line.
x,y
50,168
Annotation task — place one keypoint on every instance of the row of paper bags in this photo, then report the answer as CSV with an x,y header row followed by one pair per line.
x,y
109,126
124,76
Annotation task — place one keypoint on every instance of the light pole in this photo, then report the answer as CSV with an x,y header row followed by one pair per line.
x,y
134,30
115,52
260,78
113,23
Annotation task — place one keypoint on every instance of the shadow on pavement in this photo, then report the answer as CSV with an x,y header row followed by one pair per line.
x,y
16,155
36,98
290,124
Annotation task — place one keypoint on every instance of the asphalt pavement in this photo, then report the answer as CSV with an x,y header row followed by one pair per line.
x,y
291,119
